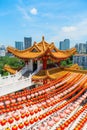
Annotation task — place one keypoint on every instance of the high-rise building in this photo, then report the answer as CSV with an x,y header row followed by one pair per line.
x,y
81,48
2,50
27,42
77,47
80,59
2,47
64,45
19,45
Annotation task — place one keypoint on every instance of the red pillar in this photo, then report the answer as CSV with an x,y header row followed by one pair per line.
x,y
44,81
44,68
58,63
44,63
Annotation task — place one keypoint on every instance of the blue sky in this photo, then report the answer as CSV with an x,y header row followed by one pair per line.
x,y
55,19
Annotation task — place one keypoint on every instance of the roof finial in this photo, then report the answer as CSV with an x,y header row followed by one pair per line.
x,y
34,42
42,38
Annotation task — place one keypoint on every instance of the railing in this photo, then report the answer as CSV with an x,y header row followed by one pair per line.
x,y
10,78
23,70
15,86
14,82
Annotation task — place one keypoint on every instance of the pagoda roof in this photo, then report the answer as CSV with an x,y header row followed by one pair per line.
x,y
10,69
40,49
55,73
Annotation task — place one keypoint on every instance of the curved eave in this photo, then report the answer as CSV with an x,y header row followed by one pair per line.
x,y
63,54
31,55
9,69
50,76
39,77
25,55
9,48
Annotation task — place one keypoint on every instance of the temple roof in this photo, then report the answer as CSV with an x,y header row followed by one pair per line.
x,y
55,73
40,49
10,69
51,74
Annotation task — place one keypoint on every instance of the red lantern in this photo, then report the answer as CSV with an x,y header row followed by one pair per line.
x,y
31,121
35,119
17,117
3,122
23,115
14,127
39,109
44,115
40,117
21,125
36,110
31,112
27,114
7,128
26,123
10,120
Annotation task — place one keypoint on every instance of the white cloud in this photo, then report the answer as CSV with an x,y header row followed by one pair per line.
x,y
33,11
76,33
69,28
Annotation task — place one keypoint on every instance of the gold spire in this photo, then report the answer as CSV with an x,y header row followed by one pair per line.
x,y
42,38
43,43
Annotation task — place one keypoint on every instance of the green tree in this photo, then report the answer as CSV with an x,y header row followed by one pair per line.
x,y
63,63
69,61
11,61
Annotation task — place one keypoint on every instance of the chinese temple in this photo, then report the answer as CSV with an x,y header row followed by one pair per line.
x,y
60,104
39,54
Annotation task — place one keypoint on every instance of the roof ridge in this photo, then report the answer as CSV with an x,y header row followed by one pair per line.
x,y
37,47
43,43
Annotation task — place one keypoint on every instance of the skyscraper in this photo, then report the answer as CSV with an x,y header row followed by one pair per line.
x,y
77,47
19,45
82,48
2,50
27,42
86,47
64,45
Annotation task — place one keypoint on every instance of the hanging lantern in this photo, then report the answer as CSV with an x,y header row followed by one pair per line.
x,y
23,115
14,127
7,128
10,120
31,121
31,112
17,117
36,119
26,123
27,114
3,122
21,125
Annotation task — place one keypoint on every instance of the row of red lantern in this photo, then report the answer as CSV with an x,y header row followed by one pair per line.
x,y
74,117
81,123
61,105
16,95
54,110
16,118
11,100
19,94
